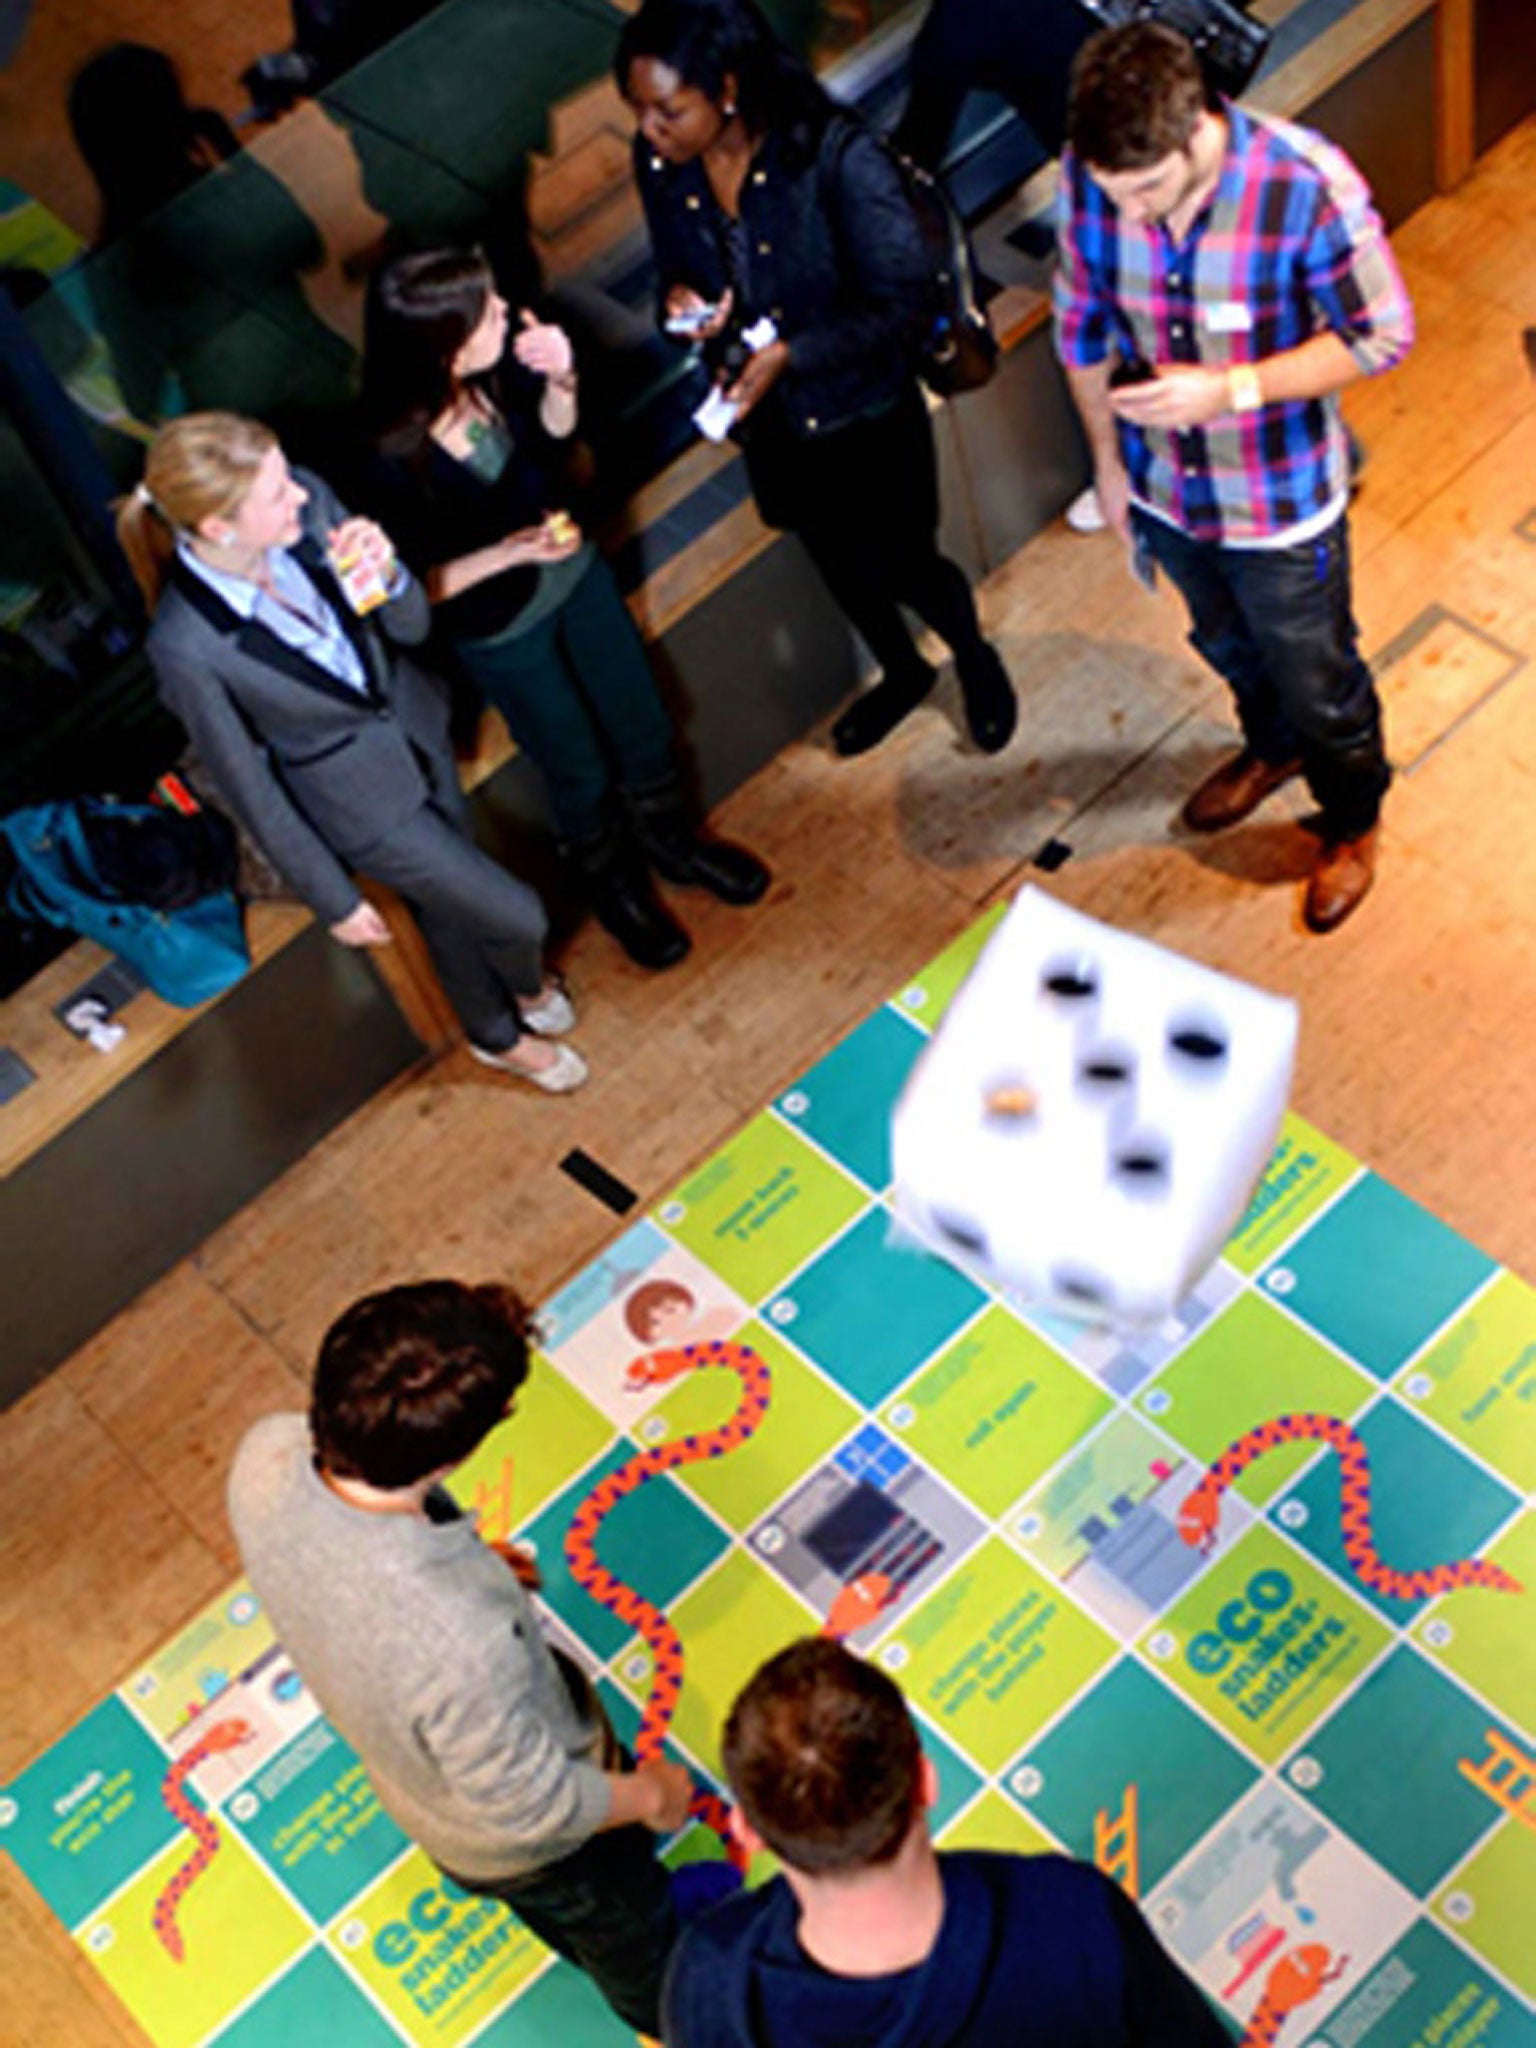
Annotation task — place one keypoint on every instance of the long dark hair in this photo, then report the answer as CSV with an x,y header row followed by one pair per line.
x,y
708,41
421,309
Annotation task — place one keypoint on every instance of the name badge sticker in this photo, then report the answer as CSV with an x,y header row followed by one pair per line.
x,y
1228,316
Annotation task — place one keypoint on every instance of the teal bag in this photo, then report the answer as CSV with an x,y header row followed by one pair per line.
x,y
185,955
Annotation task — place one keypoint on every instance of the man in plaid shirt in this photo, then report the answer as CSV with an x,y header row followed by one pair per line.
x,y
1223,276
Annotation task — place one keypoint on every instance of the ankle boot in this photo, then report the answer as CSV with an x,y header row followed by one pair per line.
x,y
624,901
681,850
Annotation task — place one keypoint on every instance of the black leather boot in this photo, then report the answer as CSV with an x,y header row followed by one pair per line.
x,y
624,900
682,851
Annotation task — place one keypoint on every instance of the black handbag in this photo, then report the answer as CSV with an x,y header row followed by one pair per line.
x,y
1229,43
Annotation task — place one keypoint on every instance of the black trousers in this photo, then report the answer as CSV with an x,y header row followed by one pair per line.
x,y
864,502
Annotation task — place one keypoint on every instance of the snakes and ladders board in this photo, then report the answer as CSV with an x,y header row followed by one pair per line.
x,y
1237,1607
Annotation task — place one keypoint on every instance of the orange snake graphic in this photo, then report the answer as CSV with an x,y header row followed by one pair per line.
x,y
1199,1514
1299,1975
222,1735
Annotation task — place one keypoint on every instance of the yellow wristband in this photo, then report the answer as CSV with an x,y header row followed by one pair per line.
x,y
1244,391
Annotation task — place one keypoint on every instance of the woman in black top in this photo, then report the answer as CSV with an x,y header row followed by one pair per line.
x,y
764,201
466,416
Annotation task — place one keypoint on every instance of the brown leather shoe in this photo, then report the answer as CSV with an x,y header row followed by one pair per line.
x,y
1344,873
1237,787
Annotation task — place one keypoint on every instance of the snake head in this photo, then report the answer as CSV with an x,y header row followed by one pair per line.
x,y
1300,1974
655,1368
1198,1517
228,1734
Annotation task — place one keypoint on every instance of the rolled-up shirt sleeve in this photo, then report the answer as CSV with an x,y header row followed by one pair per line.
x,y
1352,276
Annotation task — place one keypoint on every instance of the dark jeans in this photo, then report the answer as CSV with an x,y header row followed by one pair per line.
x,y
579,698
1276,624
608,1909
864,501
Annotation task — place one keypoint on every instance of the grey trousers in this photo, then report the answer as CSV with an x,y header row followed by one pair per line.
x,y
484,929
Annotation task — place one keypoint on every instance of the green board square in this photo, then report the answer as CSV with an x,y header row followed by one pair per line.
x,y
1377,1275
1249,1365
1478,1380
527,1459
1386,1768
314,1820
1486,1638
995,1410
993,1652
805,1418
314,2001
729,1623
439,1961
930,995
237,1930
1265,1643
565,2006
1490,1900
993,1822
1305,1171
761,1207
1130,1737
655,1540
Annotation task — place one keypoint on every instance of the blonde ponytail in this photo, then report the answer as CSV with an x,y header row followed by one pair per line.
x,y
199,467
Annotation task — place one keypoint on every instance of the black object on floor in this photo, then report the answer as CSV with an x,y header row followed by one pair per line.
x,y
598,1181
1053,855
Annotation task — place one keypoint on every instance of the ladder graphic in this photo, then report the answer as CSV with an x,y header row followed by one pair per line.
x,y
1507,1775
493,1504
1116,1844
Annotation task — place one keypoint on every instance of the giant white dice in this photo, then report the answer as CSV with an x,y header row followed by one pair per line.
x,y
1089,1121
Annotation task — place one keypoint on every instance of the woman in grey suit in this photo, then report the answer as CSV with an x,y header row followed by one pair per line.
x,y
277,635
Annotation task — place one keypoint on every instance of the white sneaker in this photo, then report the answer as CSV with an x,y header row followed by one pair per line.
x,y
1085,514
551,1013
566,1071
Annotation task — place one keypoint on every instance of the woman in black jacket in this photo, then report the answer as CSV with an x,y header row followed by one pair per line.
x,y
765,202
468,407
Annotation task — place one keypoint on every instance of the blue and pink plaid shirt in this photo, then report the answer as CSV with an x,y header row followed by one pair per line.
x,y
1290,246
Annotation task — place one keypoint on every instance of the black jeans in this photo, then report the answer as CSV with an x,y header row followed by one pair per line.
x,y
608,1909
1276,625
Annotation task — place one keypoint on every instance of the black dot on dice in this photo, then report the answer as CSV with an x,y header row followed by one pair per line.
x,y
1070,981
961,1231
1076,1283
1198,1040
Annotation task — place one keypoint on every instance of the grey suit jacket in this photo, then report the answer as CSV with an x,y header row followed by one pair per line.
x,y
318,773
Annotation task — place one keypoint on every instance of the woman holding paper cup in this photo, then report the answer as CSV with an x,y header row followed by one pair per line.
x,y
279,631
467,407
786,244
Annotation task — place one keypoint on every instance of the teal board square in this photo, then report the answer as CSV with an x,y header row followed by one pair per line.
x,y
656,1539
959,1781
564,2006
1430,1505
1385,1769
1425,1990
1377,1274
1130,1729
870,1314
88,1814
845,1101
313,1819
314,2001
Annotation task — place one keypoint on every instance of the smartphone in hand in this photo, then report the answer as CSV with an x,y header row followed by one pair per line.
x,y
690,320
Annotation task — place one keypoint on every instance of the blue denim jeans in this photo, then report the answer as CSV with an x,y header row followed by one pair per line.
x,y
1276,625
578,696
608,1909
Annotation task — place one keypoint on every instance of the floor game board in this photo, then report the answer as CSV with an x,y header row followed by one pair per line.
x,y
1233,1608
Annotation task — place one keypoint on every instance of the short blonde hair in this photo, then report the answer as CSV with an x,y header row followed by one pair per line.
x,y
198,467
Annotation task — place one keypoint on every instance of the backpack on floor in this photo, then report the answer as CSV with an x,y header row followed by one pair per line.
x,y
187,948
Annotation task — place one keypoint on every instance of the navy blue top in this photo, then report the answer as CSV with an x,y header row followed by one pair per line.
x,y
1033,1952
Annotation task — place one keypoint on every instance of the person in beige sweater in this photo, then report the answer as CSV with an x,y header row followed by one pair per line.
x,y
421,1644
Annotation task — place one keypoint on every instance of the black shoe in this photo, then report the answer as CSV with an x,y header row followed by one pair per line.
x,y
624,902
880,710
683,852
991,708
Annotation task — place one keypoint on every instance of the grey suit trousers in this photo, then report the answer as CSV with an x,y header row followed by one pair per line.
x,y
484,929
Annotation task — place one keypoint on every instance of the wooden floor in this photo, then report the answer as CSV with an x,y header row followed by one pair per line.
x,y
1417,1018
